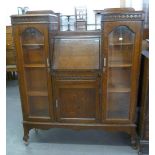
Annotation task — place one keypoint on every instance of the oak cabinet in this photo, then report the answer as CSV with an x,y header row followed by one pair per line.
x,y
82,80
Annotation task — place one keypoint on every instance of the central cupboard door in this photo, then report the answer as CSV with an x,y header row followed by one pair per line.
x,y
77,101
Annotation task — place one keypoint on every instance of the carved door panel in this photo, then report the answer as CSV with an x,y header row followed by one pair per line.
x,y
33,59
77,101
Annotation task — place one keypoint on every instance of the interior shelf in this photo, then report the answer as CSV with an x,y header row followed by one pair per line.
x,y
37,93
114,64
119,90
34,65
33,46
119,43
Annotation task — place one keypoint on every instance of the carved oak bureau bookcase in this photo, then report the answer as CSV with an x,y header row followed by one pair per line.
x,y
79,80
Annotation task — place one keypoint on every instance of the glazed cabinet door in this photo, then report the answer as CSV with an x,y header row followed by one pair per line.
x,y
120,70
33,65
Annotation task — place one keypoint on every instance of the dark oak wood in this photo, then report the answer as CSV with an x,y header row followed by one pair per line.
x,y
143,119
79,80
66,56
46,12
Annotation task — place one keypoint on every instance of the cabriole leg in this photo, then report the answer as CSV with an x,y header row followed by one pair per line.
x,y
36,130
26,135
134,138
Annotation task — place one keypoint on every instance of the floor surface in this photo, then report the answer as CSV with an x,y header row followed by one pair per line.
x,y
58,141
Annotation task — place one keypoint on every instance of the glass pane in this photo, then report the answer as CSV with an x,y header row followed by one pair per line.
x,y
118,105
120,54
34,55
33,46
32,36
119,77
121,46
38,106
36,79
76,54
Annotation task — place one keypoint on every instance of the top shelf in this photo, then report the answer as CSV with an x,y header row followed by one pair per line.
x,y
32,44
117,65
122,44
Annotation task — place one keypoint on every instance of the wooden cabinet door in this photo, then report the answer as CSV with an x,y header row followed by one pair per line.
x,y
33,66
77,101
121,70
